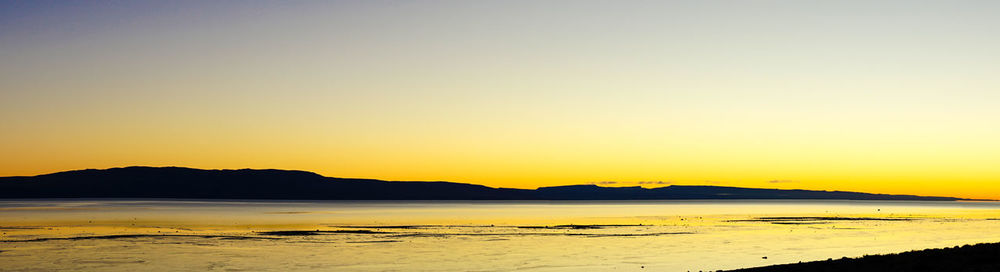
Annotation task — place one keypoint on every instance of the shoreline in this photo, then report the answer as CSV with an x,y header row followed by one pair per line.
x,y
978,257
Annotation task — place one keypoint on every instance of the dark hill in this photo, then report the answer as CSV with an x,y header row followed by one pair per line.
x,y
178,182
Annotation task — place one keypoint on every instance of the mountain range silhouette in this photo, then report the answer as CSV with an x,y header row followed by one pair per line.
x,y
189,183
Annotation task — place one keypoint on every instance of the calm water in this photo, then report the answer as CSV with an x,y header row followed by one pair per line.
x,y
129,235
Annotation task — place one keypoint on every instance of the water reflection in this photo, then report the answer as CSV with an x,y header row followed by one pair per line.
x,y
448,236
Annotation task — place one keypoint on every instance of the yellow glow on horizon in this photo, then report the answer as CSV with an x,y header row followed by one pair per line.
x,y
899,101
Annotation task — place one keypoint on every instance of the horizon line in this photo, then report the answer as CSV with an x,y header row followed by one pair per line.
x,y
595,184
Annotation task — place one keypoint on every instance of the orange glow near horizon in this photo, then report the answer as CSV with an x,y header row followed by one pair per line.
x,y
838,97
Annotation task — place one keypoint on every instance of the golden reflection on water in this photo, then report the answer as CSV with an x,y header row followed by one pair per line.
x,y
449,236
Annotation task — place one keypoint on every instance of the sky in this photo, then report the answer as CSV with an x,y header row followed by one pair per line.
x,y
872,96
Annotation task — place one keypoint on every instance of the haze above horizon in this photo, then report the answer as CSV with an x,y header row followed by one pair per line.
x,y
896,97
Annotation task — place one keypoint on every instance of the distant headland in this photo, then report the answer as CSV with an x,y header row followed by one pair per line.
x,y
189,183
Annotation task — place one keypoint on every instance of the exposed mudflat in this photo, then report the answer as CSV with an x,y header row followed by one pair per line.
x,y
135,235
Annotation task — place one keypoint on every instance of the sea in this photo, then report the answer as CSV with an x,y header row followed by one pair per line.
x,y
256,235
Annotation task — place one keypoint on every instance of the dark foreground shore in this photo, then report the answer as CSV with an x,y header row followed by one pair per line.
x,y
979,257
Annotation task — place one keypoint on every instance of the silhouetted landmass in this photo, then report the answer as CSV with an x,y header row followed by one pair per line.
x,y
980,257
178,182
